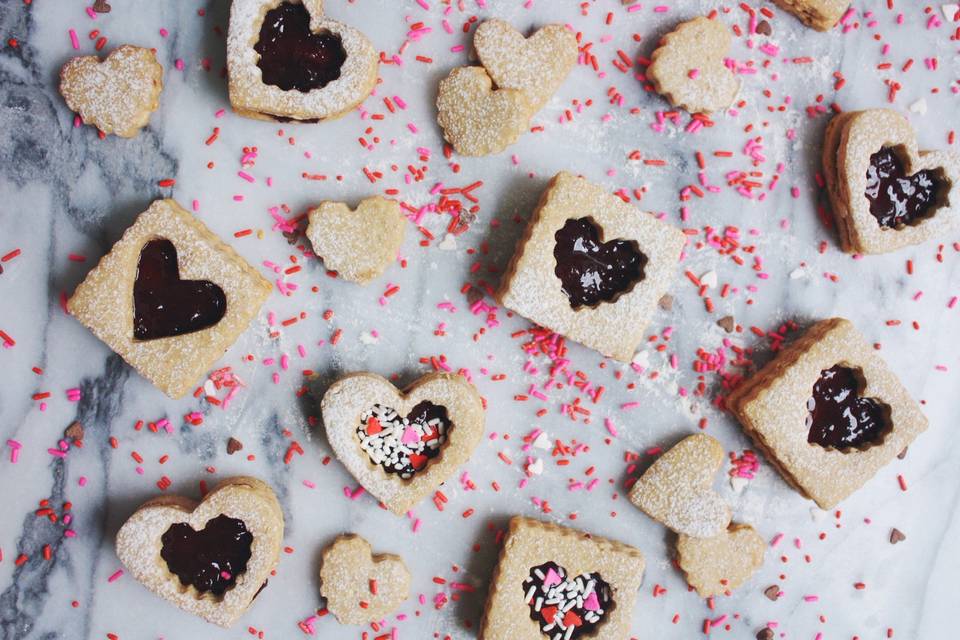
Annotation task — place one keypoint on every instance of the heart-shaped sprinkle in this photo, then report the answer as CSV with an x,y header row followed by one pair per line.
x,y
101,6
360,587
210,559
898,199
722,563
403,445
292,56
838,417
566,609
593,271
164,305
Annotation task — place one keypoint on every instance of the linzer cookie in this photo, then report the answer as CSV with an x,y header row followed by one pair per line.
x,y
287,61
828,412
689,70
722,563
170,297
117,94
211,558
677,489
822,15
561,584
885,194
402,445
591,267
359,244
358,586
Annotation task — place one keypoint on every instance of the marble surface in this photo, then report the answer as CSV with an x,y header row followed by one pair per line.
x,y
67,194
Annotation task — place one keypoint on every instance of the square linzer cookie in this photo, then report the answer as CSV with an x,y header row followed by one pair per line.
x,y
555,583
828,412
591,267
170,297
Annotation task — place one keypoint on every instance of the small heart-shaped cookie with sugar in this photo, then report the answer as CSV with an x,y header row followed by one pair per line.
x,y
677,489
722,563
116,94
359,244
401,446
210,559
360,587
688,67
822,15
537,65
476,118
884,193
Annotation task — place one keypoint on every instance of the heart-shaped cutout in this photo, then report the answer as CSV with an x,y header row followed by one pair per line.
x,y
722,563
359,244
898,199
677,489
591,270
292,56
116,95
566,607
210,559
360,587
839,418
477,119
164,305
688,67
537,65
381,461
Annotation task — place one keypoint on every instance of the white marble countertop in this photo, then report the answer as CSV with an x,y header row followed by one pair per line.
x,y
66,193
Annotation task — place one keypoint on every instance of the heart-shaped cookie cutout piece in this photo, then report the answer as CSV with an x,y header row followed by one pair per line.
x,y
116,95
839,417
361,587
677,489
359,244
211,558
568,607
477,119
537,65
349,404
722,563
688,67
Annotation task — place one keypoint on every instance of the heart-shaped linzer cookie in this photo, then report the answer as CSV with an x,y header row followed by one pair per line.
x,y
116,95
402,446
722,563
566,607
839,418
359,244
210,559
360,587
677,489
476,118
537,65
688,67
166,306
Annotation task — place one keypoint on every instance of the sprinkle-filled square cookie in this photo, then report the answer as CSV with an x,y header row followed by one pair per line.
x,y
591,267
170,297
828,412
557,583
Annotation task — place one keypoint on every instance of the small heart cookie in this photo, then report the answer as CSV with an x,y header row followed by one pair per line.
x,y
210,559
688,67
358,244
537,65
116,95
677,489
360,587
722,563
402,446
476,118
822,15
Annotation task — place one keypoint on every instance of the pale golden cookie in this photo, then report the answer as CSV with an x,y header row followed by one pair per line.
x,y
822,15
116,95
171,529
688,67
721,564
360,587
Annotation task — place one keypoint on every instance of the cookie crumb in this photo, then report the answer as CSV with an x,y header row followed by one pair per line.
x,y
896,536
233,445
902,454
765,634
102,6
74,431
666,302
727,323
772,592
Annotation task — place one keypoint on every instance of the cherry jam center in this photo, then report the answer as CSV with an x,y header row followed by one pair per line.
x,y
839,418
897,199
210,559
591,271
294,57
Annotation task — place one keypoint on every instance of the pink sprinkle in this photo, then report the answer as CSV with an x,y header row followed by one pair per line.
x,y
115,576
694,74
811,598
776,540
611,428
74,40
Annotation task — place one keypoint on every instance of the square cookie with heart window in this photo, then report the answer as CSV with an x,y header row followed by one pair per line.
x,y
828,412
591,267
558,583
170,297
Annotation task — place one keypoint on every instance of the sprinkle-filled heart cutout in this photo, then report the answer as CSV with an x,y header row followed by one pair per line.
x,y
164,305
566,608
839,418
677,489
722,563
210,559
450,415
592,271
361,587
292,56
898,199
